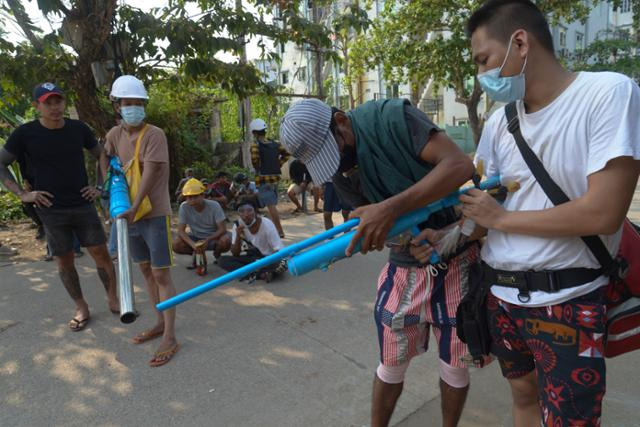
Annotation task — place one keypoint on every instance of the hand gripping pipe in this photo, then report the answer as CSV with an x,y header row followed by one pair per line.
x,y
324,255
320,257
119,203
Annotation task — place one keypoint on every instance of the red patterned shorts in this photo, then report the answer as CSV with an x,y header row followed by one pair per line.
x,y
564,344
412,300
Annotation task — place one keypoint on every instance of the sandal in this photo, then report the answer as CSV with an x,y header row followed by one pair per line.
x,y
163,357
145,336
77,325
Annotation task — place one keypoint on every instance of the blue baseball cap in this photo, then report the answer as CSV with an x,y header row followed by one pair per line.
x,y
45,90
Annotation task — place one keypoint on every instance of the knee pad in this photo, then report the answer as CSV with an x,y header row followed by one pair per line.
x,y
455,377
392,374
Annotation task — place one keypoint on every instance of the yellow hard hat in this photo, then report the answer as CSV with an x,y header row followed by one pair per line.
x,y
193,187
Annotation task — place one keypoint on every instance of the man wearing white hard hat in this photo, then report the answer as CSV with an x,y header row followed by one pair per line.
x,y
386,158
267,157
51,150
149,236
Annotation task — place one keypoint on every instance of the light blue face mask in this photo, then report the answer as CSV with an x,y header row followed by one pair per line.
x,y
132,115
503,89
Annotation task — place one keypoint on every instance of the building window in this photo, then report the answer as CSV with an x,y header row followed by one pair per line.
x,y
285,77
562,37
302,74
579,41
625,7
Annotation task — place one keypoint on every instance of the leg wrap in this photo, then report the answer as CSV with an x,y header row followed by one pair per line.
x,y
392,374
455,377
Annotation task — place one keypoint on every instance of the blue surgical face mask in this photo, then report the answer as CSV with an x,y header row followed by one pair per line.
x,y
132,115
503,89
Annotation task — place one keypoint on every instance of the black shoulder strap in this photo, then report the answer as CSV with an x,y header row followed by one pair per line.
x,y
549,186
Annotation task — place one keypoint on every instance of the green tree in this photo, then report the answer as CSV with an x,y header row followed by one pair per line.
x,y
347,28
156,44
424,42
617,51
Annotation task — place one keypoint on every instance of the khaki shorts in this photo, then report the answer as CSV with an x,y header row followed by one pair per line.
x,y
297,189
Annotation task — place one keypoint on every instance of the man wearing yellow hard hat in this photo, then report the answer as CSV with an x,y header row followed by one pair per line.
x,y
206,222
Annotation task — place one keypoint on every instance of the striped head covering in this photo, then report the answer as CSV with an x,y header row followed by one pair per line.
x,y
304,132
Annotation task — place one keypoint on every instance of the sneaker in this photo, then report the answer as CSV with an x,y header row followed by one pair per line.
x,y
79,254
282,267
250,278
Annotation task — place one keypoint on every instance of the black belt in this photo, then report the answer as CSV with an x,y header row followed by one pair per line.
x,y
546,281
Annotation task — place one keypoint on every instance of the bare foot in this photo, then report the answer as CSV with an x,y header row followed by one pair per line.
x,y
168,348
82,313
166,344
114,306
80,320
149,334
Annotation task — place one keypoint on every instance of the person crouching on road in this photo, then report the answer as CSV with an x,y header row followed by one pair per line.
x,y
150,236
206,222
253,237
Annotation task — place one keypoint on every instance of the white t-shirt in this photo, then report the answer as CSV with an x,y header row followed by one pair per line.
x,y
266,240
596,119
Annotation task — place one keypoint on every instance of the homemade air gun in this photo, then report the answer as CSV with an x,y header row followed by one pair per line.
x,y
119,203
328,249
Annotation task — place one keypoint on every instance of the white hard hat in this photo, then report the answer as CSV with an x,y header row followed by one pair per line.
x,y
128,87
257,125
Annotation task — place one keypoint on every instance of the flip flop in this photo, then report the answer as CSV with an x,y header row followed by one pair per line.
x,y
145,336
163,357
77,325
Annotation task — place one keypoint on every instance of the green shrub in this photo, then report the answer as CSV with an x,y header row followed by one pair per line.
x,y
10,207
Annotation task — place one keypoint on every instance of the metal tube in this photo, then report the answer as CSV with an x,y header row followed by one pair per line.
x,y
125,281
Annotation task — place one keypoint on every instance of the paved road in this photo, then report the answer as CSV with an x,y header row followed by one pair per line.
x,y
297,352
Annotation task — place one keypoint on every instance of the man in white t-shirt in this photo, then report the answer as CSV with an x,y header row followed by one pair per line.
x,y
584,127
253,237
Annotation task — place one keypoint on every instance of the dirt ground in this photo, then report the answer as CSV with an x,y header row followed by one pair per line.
x,y
21,235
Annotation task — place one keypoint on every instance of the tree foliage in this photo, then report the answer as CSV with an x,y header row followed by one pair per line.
x,y
424,41
617,51
157,44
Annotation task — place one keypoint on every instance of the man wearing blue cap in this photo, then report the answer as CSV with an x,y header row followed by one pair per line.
x,y
52,150
386,158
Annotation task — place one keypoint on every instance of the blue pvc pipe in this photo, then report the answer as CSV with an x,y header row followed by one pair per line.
x,y
257,265
324,254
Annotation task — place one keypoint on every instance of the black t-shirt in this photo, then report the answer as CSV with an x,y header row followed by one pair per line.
x,y
298,172
349,188
54,158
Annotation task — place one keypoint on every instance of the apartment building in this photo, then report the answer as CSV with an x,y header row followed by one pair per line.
x,y
298,69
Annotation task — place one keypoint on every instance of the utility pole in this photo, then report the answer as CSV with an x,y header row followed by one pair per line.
x,y
245,107
315,10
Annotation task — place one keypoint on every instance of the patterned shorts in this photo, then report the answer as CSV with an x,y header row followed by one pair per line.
x,y
411,300
564,344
